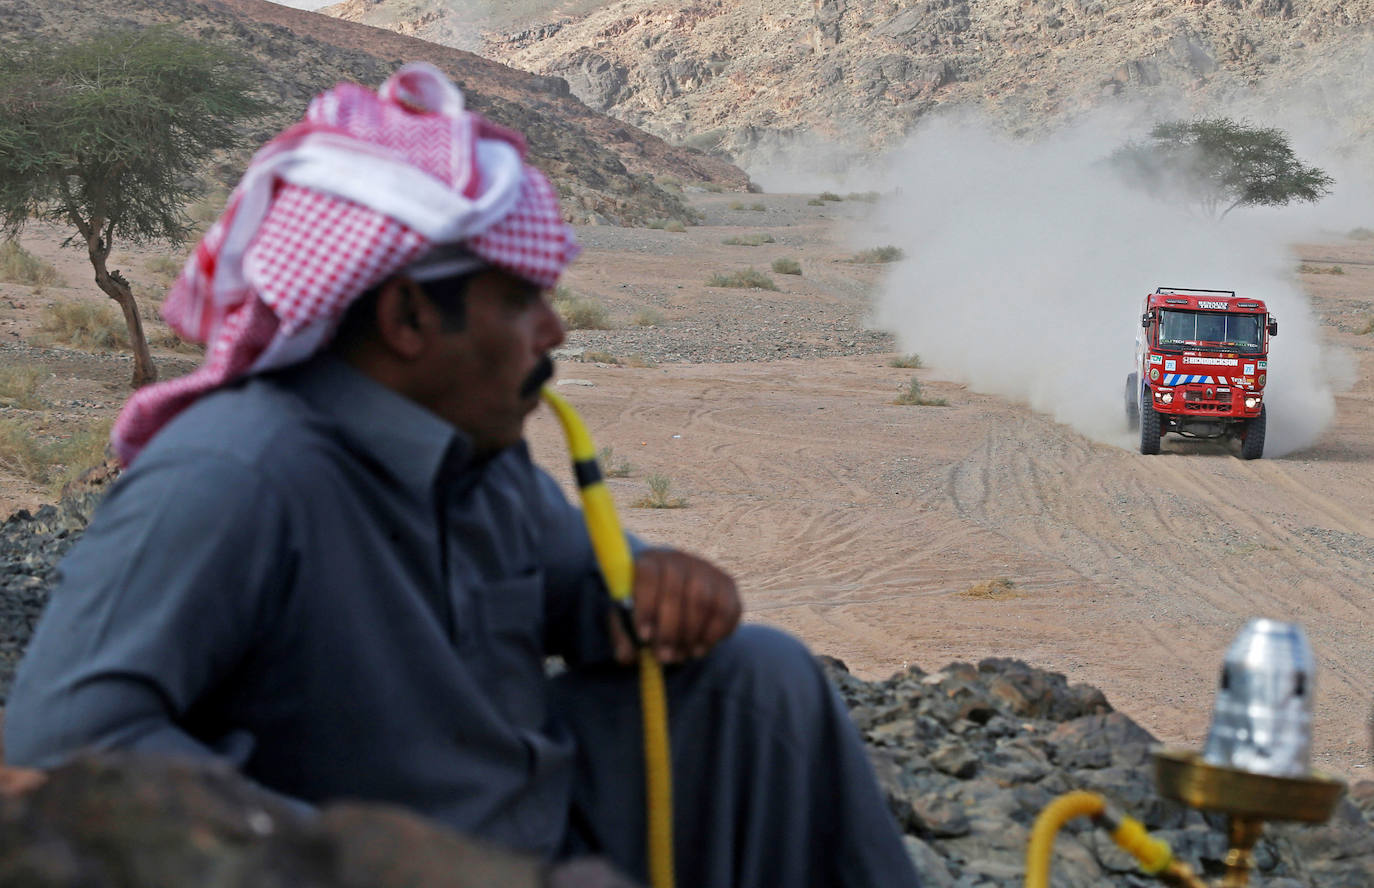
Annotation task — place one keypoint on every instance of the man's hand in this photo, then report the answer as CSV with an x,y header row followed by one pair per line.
x,y
683,606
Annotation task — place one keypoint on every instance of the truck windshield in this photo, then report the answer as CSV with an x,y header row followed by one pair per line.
x,y
1237,332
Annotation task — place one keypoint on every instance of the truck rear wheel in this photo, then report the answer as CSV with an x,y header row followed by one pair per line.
x,y
1252,439
1149,427
1132,402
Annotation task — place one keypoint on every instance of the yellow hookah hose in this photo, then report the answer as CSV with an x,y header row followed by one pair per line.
x,y
617,568
1152,855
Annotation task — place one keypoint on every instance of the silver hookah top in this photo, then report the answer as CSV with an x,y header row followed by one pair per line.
x,y
1262,720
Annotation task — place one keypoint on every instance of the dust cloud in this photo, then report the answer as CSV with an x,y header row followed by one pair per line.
x,y
1027,264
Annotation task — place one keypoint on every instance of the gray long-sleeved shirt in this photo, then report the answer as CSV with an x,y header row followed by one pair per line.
x,y
308,575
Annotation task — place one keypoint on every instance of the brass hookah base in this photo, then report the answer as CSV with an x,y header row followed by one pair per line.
x,y
1249,801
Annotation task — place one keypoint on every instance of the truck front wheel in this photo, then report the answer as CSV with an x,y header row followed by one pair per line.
x,y
1252,439
1132,402
1149,426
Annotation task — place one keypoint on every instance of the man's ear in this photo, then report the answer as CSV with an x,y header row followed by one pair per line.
x,y
404,317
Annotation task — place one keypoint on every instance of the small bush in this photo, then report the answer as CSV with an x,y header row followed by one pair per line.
x,y
914,396
19,266
23,452
907,362
674,226
786,266
757,207
743,280
657,224
639,359
815,202
1368,327
580,313
164,268
672,183
748,240
999,589
1361,234
878,255
713,187
612,467
85,325
19,387
1320,269
830,195
599,357
648,317
659,497
864,196
736,205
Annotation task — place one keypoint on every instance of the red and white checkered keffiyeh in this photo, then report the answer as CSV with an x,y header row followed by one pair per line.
x,y
366,184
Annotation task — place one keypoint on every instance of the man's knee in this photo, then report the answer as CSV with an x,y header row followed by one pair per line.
x,y
769,666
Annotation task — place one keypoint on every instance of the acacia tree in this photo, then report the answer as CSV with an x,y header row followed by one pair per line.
x,y
1219,164
109,136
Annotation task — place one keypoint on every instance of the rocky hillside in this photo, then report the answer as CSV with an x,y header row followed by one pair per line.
x,y
747,77
603,167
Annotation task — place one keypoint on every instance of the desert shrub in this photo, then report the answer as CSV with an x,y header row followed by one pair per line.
x,y
659,496
815,202
208,207
864,196
830,195
87,325
164,268
19,266
19,387
670,182
999,589
639,359
757,207
69,458
611,465
748,240
914,396
1320,269
713,187
657,224
1361,234
786,266
164,338
599,357
907,362
736,205
674,226
579,312
648,317
1368,327
743,280
23,452
878,255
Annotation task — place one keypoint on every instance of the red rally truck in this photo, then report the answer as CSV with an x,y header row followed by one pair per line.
x,y
1202,358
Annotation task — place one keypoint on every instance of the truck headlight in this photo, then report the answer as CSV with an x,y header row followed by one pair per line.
x,y
1251,403
1167,397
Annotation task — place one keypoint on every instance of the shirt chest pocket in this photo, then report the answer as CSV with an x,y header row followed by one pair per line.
x,y
512,645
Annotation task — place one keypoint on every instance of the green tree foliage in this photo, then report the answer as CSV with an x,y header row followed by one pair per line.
x,y
1219,164
110,136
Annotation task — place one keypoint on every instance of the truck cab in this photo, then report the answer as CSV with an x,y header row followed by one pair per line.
x,y
1202,361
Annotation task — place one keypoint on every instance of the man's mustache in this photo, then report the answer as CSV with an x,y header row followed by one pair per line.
x,y
542,373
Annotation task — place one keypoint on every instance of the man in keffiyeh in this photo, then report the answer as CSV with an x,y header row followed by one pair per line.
x,y
331,562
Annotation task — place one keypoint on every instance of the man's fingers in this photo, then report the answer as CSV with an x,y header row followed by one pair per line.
x,y
702,602
648,570
668,627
